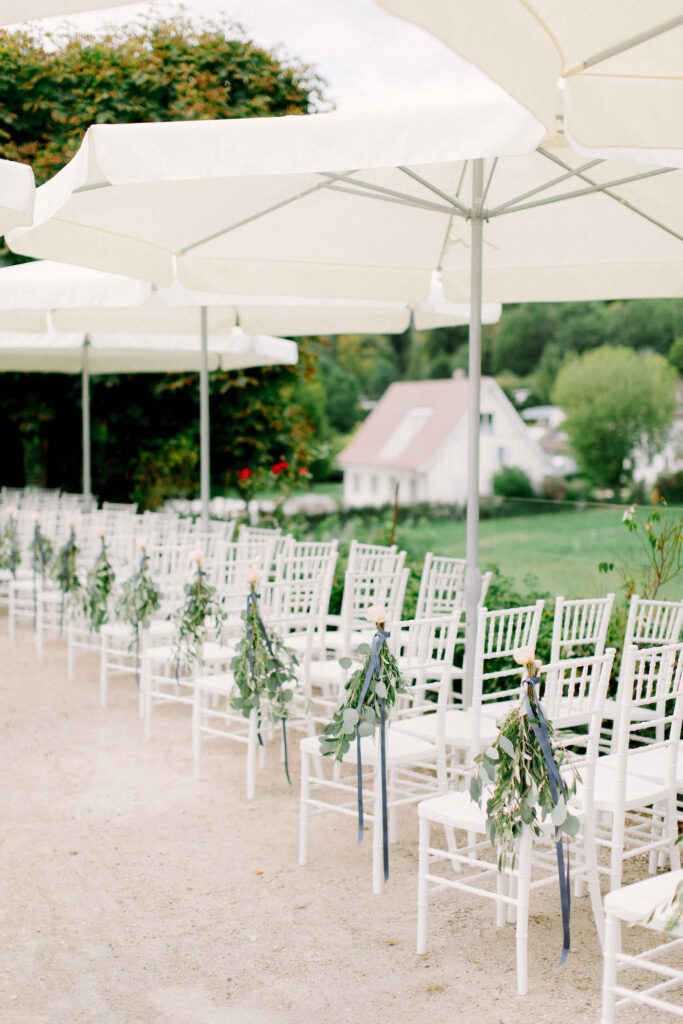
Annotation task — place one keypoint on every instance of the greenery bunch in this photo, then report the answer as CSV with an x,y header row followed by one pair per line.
x,y
94,596
140,597
264,669
660,540
512,775
65,565
384,685
10,555
42,550
202,604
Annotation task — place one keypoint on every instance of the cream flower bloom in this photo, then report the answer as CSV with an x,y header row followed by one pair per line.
x,y
36,517
197,555
629,514
376,614
141,542
524,655
12,511
100,531
252,576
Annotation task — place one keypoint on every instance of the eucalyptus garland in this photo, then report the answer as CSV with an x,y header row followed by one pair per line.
x,y
370,691
140,598
94,596
66,572
42,550
520,776
264,669
202,604
9,545
354,714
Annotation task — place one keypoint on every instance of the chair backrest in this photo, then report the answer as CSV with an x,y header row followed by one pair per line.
x,y
580,626
371,557
499,634
317,558
425,650
573,690
442,585
652,623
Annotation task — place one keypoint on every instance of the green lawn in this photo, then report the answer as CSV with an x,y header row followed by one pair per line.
x,y
561,549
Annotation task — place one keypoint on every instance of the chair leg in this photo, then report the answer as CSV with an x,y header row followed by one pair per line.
x,y
590,856
523,882
146,697
40,613
70,652
609,980
197,712
393,812
501,906
423,886
377,865
252,744
303,808
104,655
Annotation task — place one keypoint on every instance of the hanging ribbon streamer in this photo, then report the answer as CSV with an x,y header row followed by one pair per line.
x,y
144,558
539,726
68,548
374,671
252,600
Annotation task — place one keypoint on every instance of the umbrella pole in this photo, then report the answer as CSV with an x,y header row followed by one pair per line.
x,y
204,468
85,413
472,574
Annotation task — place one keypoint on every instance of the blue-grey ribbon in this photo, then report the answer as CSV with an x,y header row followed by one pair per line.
x,y
374,671
68,547
144,558
252,599
539,726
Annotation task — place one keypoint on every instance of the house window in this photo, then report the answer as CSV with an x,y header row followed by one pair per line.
x,y
373,484
501,456
413,489
486,422
355,482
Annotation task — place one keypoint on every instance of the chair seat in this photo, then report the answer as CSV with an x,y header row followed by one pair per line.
x,y
401,749
326,671
634,903
221,683
640,791
457,728
457,810
121,630
650,763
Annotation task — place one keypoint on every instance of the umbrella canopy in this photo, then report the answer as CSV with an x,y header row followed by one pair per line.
x,y
351,206
14,11
56,352
612,72
342,206
17,195
48,295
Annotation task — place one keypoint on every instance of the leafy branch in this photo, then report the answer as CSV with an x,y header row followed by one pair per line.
x,y
202,604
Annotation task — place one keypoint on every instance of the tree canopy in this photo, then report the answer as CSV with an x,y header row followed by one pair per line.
x,y
616,401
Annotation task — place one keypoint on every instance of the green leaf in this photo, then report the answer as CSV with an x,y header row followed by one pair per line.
x,y
380,689
492,753
571,825
559,812
366,729
363,649
475,788
345,663
505,744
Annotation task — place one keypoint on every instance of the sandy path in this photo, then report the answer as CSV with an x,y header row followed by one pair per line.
x,y
130,893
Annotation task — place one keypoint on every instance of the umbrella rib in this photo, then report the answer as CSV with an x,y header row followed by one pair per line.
x,y
627,44
398,197
605,188
619,199
436,190
257,216
489,180
572,172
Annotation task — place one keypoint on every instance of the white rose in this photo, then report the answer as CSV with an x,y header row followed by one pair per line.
x,y
629,514
141,542
524,655
11,511
36,517
376,614
197,556
71,523
252,575
100,531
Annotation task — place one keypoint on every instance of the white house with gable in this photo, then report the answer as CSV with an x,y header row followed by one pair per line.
x,y
416,437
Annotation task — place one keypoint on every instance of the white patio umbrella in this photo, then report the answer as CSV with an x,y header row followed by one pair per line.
x,y
354,206
612,72
55,352
48,296
14,11
17,195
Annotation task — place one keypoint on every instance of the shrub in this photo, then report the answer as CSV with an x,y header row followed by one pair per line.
x,y
512,482
669,487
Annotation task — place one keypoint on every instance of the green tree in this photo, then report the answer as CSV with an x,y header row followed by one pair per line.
x,y
521,337
51,89
676,354
616,401
341,397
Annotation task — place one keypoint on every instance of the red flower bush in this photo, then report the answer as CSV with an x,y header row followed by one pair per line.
x,y
244,474
280,467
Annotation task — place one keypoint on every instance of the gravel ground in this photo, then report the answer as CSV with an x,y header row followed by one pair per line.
x,y
135,895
